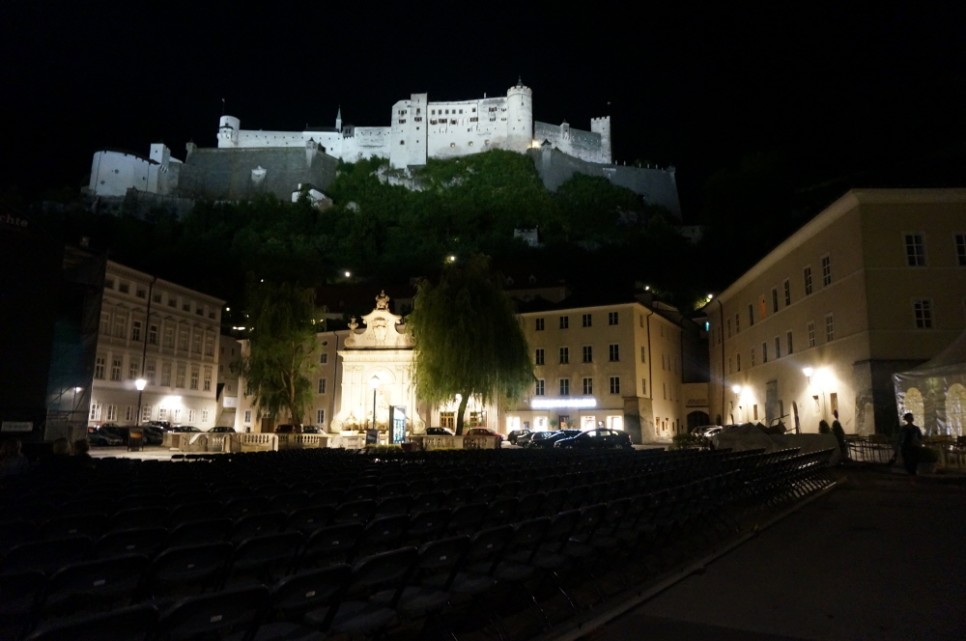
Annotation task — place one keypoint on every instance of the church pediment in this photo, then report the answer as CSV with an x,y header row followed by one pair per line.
x,y
381,329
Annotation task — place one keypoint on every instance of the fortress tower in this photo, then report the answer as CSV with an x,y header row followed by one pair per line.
x,y
228,128
602,126
519,112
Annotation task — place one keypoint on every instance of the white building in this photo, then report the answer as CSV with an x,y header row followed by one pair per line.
x,y
160,332
873,285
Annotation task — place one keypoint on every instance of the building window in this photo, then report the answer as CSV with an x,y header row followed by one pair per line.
x,y
145,413
564,322
111,413
778,347
751,315
168,337
615,384
149,372
922,308
564,355
753,357
764,352
826,271
586,320
324,358
179,377
136,330
738,362
541,388
737,324
116,368
774,299
204,416
643,354
588,384
120,327
196,343
729,328
183,338
961,250
915,250
810,332
95,411
613,352
588,354
807,277
829,328
539,356
539,323
209,344
611,318
128,414
165,374
643,387
565,387
788,342
787,285
133,368
321,386
206,381
320,417
195,375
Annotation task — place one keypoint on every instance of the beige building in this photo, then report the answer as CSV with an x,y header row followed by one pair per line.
x,y
621,365
164,334
873,285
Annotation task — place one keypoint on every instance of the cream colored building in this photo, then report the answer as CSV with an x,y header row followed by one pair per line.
x,y
874,284
160,332
621,366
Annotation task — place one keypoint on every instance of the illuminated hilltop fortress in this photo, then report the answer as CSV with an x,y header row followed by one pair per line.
x,y
247,162
422,129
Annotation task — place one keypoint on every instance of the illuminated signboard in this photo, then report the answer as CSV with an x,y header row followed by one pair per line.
x,y
560,403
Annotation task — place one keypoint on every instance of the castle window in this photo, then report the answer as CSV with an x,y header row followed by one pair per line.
x,y
452,145
402,142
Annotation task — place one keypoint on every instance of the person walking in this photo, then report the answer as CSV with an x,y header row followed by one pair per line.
x,y
910,440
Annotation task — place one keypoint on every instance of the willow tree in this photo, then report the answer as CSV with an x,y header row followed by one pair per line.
x,y
281,342
468,340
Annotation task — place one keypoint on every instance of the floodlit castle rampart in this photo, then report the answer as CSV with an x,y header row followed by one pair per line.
x,y
420,129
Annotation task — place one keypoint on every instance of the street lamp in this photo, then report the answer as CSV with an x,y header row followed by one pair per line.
x,y
374,383
140,384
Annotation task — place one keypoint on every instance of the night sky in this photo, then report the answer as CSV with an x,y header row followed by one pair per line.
x,y
689,86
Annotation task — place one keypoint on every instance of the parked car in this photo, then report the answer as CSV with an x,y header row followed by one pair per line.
x,y
515,435
548,438
153,435
222,429
598,438
98,438
311,429
185,428
706,431
439,431
288,428
484,431
116,431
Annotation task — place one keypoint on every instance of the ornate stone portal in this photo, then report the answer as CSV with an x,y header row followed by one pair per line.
x,y
377,359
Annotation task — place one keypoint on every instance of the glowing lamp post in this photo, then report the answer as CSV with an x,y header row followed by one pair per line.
x,y
140,384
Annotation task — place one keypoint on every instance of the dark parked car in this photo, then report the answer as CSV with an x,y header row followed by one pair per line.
x,y
595,439
222,429
548,438
439,431
185,428
98,438
311,429
153,434
515,435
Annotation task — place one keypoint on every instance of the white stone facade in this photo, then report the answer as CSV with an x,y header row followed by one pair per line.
x,y
164,333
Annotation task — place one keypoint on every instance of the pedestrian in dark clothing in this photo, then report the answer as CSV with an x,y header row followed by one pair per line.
x,y
910,440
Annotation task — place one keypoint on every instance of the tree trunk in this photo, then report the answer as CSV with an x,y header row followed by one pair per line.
x,y
464,399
